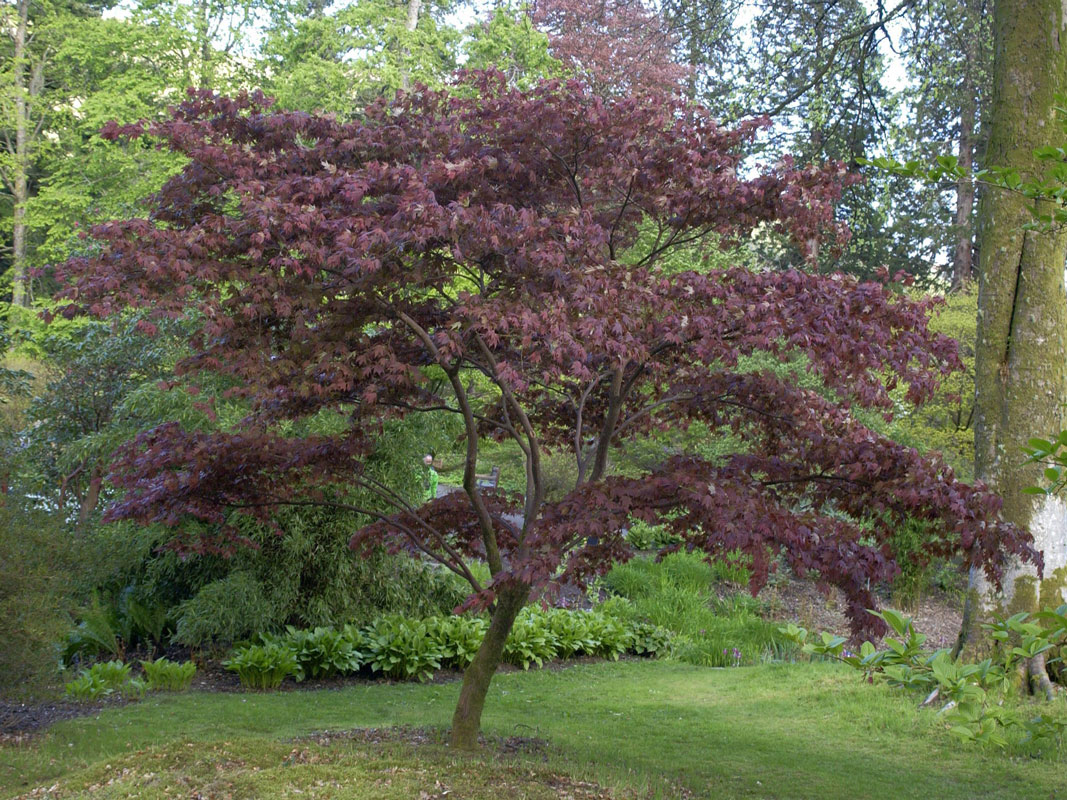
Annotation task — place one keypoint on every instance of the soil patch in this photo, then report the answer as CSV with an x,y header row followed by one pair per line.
x,y
20,721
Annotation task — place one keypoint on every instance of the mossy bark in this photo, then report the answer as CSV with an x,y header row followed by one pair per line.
x,y
1020,355
467,719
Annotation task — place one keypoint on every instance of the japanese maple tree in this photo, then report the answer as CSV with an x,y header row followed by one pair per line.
x,y
373,268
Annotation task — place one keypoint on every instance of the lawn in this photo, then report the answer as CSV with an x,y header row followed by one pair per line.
x,y
637,729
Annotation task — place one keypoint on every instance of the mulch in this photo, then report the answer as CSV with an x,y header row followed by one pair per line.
x,y
20,721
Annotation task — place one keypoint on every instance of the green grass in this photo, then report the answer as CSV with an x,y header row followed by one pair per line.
x,y
679,594
772,731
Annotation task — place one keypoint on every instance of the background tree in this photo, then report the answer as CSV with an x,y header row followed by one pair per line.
x,y
618,46
949,52
370,269
337,59
28,98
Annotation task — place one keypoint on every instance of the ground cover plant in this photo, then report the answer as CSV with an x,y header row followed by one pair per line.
x,y
662,719
400,648
365,270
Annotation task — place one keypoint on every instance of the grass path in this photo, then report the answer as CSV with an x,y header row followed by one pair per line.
x,y
807,731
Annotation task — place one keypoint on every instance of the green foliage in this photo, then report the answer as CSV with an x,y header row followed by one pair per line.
x,y
37,558
945,422
325,652
105,679
645,536
95,634
101,389
264,666
574,633
402,649
231,608
509,42
405,648
907,543
678,595
531,641
648,639
165,675
1053,454
354,53
458,637
972,694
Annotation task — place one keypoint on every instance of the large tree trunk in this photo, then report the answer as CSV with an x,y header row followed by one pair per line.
x,y
21,167
1021,357
467,719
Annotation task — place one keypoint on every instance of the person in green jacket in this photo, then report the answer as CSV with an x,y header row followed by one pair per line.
x,y
431,477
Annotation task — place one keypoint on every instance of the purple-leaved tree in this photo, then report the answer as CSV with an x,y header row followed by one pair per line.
x,y
359,267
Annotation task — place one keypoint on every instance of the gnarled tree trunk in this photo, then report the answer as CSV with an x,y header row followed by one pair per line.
x,y
1021,355
467,719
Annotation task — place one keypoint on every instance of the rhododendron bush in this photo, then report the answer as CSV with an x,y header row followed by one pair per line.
x,y
439,243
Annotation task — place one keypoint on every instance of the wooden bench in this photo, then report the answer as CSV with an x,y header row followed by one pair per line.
x,y
488,481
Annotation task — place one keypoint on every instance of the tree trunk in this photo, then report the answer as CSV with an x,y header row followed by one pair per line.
x,y
21,167
414,8
963,252
467,719
92,497
203,35
1020,355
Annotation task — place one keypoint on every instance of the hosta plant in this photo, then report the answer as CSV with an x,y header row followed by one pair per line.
x,y
648,639
325,652
264,666
402,649
459,638
168,676
105,679
531,642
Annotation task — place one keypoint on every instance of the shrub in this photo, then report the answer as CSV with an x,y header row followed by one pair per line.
x,y
264,666
325,652
916,570
105,679
308,578
35,584
402,649
229,609
168,676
